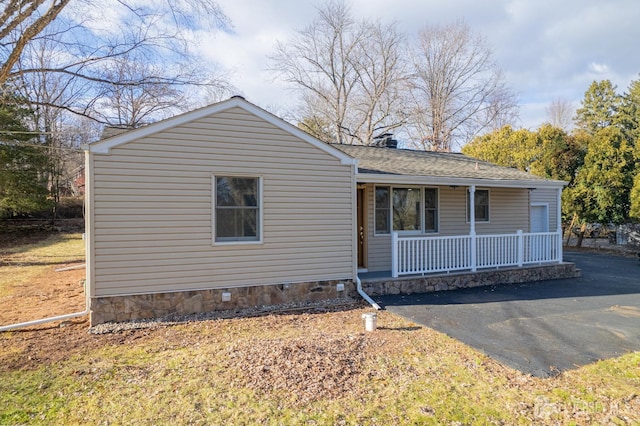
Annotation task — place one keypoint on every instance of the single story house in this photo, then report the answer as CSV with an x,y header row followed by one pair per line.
x,y
229,207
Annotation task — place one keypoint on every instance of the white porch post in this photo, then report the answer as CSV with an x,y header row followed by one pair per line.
x,y
394,254
559,223
472,226
520,238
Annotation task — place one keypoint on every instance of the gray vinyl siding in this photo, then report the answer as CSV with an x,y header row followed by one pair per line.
x,y
153,209
508,213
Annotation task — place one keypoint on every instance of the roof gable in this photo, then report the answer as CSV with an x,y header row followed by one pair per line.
x,y
104,146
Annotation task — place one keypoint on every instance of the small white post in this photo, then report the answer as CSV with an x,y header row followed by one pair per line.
x,y
520,238
394,254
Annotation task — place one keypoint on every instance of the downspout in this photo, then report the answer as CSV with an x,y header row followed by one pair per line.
x,y
364,295
354,245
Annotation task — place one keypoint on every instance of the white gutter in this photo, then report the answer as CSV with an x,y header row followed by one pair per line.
x,y
365,296
444,181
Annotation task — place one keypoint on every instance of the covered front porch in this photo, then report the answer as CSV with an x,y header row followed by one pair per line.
x,y
444,235
427,255
422,256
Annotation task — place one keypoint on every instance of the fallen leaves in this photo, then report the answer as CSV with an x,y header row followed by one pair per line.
x,y
307,369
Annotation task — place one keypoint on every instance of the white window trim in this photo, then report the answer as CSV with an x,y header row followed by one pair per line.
x,y
422,215
466,210
260,210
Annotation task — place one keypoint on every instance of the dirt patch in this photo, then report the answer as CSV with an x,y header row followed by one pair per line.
x,y
32,284
324,367
47,295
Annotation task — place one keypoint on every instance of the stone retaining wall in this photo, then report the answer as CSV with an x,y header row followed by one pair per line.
x,y
156,305
409,285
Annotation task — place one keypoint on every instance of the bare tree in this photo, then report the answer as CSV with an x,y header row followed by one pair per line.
x,y
131,106
349,73
560,114
113,61
456,90
21,21
382,73
49,94
87,42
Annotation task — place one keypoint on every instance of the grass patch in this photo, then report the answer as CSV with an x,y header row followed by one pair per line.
x,y
56,248
12,276
305,368
196,374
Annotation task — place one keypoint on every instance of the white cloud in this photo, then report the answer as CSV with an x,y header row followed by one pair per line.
x,y
598,68
547,48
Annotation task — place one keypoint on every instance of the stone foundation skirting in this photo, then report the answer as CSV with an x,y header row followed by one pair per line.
x,y
156,305
426,284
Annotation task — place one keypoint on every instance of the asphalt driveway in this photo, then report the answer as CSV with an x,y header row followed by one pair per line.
x,y
545,327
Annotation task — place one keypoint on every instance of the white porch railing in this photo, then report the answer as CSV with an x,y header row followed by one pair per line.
x,y
423,255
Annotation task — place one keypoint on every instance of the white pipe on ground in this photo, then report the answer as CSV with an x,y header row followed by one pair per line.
x,y
50,319
364,295
70,268
42,321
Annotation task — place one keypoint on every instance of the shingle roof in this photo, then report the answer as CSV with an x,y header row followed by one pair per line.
x,y
406,162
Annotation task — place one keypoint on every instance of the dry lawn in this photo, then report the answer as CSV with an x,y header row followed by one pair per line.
x,y
29,283
314,367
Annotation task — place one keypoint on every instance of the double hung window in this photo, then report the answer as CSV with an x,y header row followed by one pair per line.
x,y
237,209
406,209
481,205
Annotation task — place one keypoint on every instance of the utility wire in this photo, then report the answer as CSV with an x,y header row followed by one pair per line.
x,y
36,145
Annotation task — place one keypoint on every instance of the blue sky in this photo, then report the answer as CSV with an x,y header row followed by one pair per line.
x,y
547,49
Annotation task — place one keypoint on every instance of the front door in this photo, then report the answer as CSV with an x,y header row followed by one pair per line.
x,y
361,228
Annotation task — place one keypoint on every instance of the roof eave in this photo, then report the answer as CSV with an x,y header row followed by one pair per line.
x,y
453,181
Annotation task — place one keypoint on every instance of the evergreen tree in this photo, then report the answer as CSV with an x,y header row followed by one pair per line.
x,y
560,155
548,152
603,183
634,210
630,117
319,128
599,107
506,147
629,114
23,184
